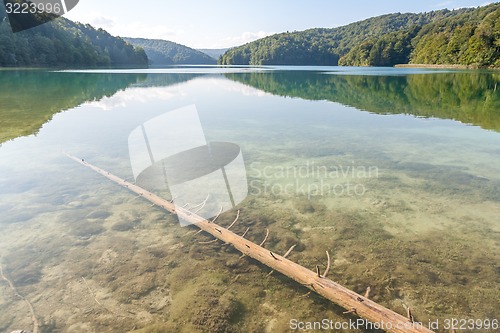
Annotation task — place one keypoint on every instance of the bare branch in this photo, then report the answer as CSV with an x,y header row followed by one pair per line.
x,y
236,219
243,236
367,292
327,265
409,315
216,216
289,250
265,238
25,300
209,242
353,310
284,256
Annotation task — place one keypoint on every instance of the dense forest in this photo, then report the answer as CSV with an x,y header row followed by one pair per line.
x,y
470,39
63,43
162,52
468,36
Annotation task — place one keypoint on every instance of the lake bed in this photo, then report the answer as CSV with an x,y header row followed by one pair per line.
x,y
394,171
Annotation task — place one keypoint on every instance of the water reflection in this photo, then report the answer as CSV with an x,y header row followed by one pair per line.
x,y
469,97
425,232
28,99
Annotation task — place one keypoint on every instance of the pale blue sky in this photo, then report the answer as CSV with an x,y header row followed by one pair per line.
x,y
224,23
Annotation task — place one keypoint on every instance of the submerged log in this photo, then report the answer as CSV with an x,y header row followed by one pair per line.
x,y
354,303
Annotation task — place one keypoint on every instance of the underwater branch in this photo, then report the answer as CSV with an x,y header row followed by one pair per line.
x,y
354,303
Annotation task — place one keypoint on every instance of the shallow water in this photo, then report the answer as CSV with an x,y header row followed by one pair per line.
x,y
395,172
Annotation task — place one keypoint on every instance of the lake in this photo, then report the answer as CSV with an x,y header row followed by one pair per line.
x,y
395,172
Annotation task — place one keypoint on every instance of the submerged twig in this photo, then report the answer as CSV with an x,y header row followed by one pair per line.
x,y
102,305
328,265
216,216
236,219
192,232
92,293
353,310
409,315
136,197
199,209
367,292
289,250
209,242
202,204
28,303
284,256
243,236
265,238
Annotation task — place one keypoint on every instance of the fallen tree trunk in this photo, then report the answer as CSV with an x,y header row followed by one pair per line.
x,y
356,304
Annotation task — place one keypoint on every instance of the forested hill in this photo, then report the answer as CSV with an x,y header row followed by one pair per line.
x,y
63,43
471,38
162,52
437,37
214,53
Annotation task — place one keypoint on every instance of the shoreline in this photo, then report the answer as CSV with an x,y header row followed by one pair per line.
x,y
443,66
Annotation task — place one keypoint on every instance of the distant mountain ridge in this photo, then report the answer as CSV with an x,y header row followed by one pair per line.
x,y
163,52
385,41
214,53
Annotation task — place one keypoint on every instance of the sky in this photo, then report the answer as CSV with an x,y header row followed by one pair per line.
x,y
224,23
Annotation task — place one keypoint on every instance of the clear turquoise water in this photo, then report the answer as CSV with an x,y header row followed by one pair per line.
x,y
372,165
